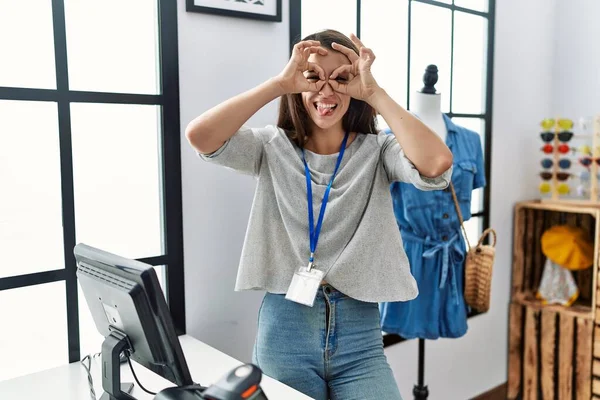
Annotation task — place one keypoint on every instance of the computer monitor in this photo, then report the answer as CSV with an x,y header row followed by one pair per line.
x,y
130,311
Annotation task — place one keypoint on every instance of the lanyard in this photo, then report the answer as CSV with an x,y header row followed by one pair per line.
x,y
315,231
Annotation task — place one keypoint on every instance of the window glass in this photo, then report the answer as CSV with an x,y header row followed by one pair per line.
x,y
384,28
34,334
112,45
477,5
27,44
430,44
318,15
117,178
470,61
31,201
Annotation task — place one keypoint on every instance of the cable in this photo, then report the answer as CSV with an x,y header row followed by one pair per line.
x,y
135,377
88,369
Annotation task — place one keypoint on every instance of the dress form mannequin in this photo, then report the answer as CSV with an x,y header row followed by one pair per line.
x,y
427,104
432,236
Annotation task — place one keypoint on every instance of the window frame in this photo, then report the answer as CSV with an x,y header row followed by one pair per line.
x,y
484,212
170,179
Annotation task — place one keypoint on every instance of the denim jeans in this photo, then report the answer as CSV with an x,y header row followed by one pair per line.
x,y
333,350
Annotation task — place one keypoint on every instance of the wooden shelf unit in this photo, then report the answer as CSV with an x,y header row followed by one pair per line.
x,y
553,351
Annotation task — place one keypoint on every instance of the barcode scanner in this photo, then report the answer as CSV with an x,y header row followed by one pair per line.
x,y
242,383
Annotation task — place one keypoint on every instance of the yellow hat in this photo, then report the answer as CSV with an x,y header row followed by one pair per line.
x,y
568,247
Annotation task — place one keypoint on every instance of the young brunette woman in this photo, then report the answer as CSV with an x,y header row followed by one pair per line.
x,y
322,239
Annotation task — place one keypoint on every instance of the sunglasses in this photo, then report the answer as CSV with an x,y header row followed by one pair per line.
x,y
561,176
587,161
549,149
562,188
585,149
564,136
583,191
563,163
584,176
563,123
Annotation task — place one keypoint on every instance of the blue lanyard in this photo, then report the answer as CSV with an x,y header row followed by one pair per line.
x,y
314,232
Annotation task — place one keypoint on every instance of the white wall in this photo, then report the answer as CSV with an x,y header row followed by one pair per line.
x,y
216,202
218,58
462,368
578,32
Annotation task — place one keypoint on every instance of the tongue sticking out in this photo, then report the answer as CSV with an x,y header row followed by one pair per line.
x,y
324,111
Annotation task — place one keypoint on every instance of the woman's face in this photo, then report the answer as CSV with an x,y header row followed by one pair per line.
x,y
326,107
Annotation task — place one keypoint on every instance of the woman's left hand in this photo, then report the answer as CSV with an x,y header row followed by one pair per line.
x,y
355,79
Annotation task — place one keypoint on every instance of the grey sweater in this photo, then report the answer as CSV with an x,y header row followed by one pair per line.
x,y
362,253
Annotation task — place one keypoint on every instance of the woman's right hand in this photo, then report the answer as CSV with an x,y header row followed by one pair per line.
x,y
300,75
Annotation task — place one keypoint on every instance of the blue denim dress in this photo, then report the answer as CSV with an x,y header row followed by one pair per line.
x,y
436,250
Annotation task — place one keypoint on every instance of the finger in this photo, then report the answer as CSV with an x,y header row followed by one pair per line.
x,y
313,49
307,43
351,54
305,53
339,87
316,86
365,51
344,69
356,40
316,68
318,49
300,46
323,51
368,55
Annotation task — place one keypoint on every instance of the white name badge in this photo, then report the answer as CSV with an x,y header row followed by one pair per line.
x,y
304,286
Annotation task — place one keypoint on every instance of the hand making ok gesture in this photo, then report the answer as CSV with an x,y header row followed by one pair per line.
x,y
359,82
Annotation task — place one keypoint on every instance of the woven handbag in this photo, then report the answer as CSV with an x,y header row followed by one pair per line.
x,y
479,264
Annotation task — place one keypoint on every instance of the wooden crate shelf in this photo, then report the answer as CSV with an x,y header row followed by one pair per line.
x,y
577,310
554,351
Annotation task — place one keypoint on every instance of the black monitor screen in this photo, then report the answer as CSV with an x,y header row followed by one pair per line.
x,y
124,295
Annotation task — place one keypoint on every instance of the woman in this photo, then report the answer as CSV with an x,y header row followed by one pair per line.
x,y
318,328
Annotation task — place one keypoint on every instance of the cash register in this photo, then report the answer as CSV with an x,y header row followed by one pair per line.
x,y
130,311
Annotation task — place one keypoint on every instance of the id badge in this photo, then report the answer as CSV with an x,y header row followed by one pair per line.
x,y
304,286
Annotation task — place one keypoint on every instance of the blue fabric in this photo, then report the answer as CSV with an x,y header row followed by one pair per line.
x,y
435,247
333,350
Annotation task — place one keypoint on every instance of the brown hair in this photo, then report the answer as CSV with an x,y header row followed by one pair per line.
x,y
293,116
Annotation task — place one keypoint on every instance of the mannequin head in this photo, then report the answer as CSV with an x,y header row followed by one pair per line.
x,y
427,103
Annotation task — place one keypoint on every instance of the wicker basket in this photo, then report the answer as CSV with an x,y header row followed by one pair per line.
x,y
478,273
479,264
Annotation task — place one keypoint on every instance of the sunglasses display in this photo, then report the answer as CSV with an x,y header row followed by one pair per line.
x,y
563,163
562,188
561,176
566,146
562,136
587,161
561,123
549,149
584,176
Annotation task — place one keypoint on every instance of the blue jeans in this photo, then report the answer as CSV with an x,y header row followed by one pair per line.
x,y
333,350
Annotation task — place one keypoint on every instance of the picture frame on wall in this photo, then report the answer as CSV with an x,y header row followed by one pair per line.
x,y
263,10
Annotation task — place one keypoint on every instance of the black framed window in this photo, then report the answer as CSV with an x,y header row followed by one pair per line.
x,y
90,152
408,35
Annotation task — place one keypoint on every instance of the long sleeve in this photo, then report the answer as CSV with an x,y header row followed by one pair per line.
x,y
244,151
